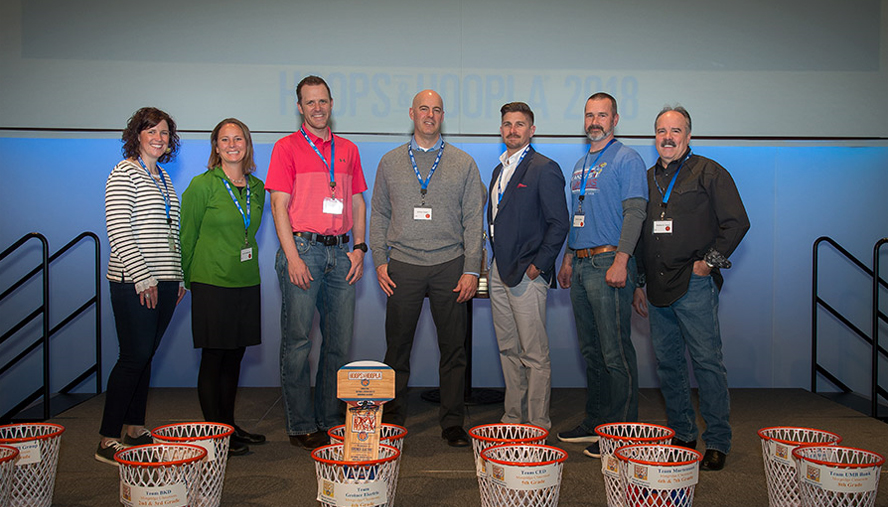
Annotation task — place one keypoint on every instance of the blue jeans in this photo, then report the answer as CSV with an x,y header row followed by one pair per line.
x,y
334,299
603,317
692,323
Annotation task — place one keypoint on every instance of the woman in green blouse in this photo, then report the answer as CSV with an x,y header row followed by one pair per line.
x,y
221,212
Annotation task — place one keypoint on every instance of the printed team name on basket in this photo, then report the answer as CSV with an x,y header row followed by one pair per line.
x,y
364,386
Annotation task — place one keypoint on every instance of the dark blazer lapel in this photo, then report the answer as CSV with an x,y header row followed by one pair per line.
x,y
517,176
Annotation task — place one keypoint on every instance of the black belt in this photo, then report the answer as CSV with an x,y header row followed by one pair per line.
x,y
314,237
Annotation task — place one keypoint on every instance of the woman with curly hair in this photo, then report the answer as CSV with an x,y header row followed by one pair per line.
x,y
144,271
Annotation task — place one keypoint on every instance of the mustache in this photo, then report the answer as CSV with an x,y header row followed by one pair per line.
x,y
667,143
595,127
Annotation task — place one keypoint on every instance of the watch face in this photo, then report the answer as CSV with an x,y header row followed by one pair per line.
x,y
362,247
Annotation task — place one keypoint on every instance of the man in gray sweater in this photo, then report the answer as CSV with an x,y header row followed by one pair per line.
x,y
426,226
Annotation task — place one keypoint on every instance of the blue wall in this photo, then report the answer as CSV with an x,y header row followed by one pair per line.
x,y
794,193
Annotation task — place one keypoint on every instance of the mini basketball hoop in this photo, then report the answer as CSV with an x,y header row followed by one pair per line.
x,y
490,435
160,474
214,438
389,434
8,455
612,436
34,478
356,483
834,476
780,467
528,475
658,475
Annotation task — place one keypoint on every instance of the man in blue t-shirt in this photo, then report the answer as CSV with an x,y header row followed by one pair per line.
x,y
608,199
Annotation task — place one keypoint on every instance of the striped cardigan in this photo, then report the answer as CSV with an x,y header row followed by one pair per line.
x,y
136,221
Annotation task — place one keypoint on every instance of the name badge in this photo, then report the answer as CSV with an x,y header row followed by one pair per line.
x,y
579,220
172,242
422,213
662,226
333,206
247,254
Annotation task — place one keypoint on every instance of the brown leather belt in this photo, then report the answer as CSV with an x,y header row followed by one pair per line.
x,y
589,252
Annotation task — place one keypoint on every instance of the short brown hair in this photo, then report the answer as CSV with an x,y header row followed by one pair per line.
x,y
249,165
144,119
605,96
311,81
517,107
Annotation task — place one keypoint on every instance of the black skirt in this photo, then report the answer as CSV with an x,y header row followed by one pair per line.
x,y
224,317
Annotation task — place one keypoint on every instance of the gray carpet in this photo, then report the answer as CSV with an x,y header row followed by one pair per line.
x,y
433,474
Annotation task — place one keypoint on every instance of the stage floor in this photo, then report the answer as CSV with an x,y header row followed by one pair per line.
x,y
433,474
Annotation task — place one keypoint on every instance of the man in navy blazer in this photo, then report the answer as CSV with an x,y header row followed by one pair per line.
x,y
527,223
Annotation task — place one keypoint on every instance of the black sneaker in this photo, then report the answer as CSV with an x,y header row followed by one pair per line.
x,y
578,435
144,438
593,451
106,454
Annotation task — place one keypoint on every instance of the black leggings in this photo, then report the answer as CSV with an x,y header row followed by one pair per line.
x,y
217,383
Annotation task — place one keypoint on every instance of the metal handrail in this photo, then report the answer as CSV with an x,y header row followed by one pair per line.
x,y
873,339
877,315
45,339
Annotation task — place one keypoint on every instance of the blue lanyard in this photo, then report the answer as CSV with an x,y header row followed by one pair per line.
x,y
329,166
165,195
245,216
587,169
424,185
671,183
500,186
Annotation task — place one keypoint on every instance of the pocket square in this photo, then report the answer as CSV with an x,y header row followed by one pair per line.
x,y
522,185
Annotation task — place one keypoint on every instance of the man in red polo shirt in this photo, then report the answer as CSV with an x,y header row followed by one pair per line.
x,y
316,184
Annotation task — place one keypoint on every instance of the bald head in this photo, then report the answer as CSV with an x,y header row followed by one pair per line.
x,y
427,114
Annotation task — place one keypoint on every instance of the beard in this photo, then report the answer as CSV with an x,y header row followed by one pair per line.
x,y
596,133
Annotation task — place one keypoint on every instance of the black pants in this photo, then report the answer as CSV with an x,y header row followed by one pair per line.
x,y
139,331
217,383
401,316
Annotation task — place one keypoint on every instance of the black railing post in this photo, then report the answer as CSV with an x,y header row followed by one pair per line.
x,y
875,326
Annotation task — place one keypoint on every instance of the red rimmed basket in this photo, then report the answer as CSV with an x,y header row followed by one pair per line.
x,y
612,436
660,475
778,442
523,474
33,480
375,481
167,474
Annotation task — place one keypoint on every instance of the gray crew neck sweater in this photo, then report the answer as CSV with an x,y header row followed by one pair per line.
x,y
455,195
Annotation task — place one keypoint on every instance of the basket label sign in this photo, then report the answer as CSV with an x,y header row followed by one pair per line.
x,y
481,467
841,480
610,466
173,495
781,453
368,494
209,445
29,452
525,478
660,477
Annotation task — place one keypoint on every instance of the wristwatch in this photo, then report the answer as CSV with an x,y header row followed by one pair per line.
x,y
360,246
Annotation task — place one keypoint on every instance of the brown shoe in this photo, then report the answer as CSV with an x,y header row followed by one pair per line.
x,y
310,441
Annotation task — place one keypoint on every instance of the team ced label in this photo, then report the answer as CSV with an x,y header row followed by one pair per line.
x,y
524,478
368,494
174,495
841,480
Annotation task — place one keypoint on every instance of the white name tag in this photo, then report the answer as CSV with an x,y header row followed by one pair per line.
x,y
662,226
422,213
333,206
579,220
247,254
